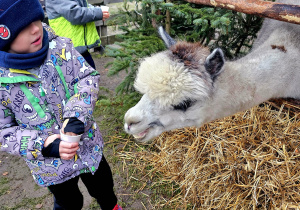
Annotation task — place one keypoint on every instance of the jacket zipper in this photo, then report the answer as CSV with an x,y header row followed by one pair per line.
x,y
85,42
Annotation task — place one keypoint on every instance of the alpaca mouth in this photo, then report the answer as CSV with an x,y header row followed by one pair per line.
x,y
141,135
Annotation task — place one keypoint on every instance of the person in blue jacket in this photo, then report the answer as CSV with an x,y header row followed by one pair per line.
x,y
75,19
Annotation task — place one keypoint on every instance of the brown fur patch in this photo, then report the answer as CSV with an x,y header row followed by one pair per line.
x,y
189,53
281,48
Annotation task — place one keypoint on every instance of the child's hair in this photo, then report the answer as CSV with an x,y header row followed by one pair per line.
x,y
15,15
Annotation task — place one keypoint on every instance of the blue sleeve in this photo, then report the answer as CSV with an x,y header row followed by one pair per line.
x,y
74,12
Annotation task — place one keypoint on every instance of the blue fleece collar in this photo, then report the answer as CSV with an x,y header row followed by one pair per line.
x,y
25,61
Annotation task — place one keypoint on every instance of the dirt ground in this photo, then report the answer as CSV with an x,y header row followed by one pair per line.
x,y
19,191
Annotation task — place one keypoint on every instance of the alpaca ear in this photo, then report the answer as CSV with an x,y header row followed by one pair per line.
x,y
166,37
214,63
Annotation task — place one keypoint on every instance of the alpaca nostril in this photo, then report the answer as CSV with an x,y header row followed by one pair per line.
x,y
130,124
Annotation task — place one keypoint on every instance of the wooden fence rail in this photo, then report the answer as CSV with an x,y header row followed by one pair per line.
x,y
278,11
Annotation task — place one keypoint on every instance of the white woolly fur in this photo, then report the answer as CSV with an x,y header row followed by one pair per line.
x,y
168,82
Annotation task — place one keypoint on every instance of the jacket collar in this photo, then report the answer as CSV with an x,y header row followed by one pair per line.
x,y
25,61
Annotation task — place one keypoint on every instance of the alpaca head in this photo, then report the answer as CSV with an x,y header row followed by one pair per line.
x,y
177,85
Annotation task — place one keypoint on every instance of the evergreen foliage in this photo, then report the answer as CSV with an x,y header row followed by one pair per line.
x,y
213,27
138,44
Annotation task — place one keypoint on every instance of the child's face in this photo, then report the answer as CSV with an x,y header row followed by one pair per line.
x,y
29,40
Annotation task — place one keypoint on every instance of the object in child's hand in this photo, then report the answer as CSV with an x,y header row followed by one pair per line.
x,y
69,138
104,8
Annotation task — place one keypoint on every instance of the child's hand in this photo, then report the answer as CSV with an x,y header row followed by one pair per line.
x,y
67,150
50,139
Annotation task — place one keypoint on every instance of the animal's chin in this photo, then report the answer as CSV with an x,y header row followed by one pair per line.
x,y
148,134
142,135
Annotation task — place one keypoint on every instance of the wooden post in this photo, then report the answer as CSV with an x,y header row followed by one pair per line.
x,y
168,19
157,12
278,11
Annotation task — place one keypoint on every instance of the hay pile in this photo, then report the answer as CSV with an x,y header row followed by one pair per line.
x,y
247,161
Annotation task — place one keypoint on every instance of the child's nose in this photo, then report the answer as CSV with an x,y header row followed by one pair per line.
x,y
34,27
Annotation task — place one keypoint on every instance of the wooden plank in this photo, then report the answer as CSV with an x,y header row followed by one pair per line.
x,y
278,11
108,40
103,2
112,1
96,2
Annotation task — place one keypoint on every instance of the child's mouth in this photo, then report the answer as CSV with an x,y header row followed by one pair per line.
x,y
38,41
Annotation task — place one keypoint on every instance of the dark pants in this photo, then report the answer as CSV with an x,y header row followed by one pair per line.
x,y
87,56
100,186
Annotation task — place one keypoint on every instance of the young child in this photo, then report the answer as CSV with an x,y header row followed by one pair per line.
x,y
45,86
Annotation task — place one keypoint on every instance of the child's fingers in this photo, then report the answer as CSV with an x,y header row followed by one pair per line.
x,y
71,134
66,156
68,145
67,150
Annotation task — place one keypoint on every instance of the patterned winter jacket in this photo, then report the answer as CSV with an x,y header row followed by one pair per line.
x,y
34,103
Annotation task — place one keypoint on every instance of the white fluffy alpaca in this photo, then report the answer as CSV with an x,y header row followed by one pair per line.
x,y
186,86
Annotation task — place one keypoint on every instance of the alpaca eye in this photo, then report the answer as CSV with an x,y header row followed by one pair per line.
x,y
183,106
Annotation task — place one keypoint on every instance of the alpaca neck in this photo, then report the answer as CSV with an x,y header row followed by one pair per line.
x,y
245,83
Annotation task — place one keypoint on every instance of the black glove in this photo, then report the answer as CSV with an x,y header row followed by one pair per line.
x,y
52,150
74,125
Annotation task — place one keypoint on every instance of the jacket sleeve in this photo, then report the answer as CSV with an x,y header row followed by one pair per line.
x,y
18,141
74,12
82,103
